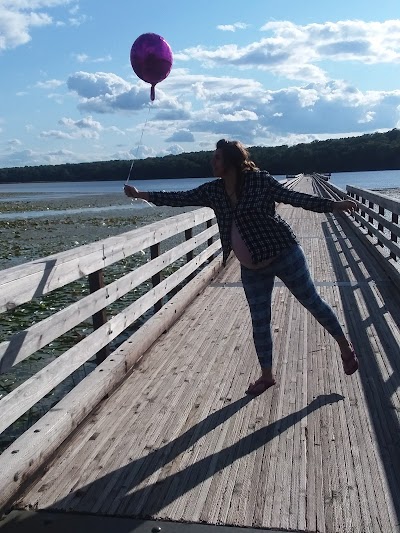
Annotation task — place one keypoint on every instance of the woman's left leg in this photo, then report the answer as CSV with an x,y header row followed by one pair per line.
x,y
295,274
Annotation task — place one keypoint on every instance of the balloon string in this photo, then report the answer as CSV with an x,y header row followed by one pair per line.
x,y
138,146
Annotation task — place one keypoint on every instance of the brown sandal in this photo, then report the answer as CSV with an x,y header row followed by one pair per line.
x,y
260,386
350,364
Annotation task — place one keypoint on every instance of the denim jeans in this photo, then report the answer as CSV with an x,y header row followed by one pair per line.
x,y
291,267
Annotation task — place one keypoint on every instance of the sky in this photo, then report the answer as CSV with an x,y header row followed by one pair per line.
x,y
265,72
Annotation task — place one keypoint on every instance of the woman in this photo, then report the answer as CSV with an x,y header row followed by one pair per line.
x,y
244,204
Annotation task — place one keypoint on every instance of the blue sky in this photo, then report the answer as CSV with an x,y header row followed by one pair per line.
x,y
264,72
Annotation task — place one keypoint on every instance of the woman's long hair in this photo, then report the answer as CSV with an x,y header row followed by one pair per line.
x,y
235,155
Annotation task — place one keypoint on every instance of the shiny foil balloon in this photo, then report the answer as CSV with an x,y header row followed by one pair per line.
x,y
151,59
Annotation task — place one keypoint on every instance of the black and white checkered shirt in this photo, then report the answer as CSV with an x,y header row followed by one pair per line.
x,y
264,232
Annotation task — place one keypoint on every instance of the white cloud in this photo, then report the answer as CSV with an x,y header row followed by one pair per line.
x,y
77,21
49,84
104,92
239,107
139,152
233,27
239,116
86,128
18,17
13,143
91,85
293,51
85,123
368,117
174,149
84,58
81,58
181,136
35,157
17,159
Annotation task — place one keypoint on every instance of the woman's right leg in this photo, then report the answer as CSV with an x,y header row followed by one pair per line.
x,y
258,285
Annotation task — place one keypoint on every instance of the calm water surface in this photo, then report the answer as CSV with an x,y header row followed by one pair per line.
x,y
11,192
375,179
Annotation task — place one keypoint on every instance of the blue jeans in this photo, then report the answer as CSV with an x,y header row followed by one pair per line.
x,y
291,267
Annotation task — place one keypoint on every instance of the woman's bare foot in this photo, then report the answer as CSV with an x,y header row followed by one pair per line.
x,y
259,386
263,383
349,357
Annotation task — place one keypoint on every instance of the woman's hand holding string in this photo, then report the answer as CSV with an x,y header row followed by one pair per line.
x,y
133,192
344,205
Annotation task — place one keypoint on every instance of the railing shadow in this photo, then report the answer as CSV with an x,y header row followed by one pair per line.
x,y
377,390
121,487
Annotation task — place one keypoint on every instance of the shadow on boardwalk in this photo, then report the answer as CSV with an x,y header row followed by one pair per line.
x,y
120,484
377,390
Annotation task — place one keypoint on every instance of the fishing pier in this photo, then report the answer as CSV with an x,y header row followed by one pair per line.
x,y
160,435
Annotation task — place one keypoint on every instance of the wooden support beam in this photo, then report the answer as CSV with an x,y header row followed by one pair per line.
x,y
96,282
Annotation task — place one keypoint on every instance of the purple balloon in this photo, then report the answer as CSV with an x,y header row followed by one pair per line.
x,y
151,59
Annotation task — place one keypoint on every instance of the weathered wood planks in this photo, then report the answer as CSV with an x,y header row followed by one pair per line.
x,y
179,440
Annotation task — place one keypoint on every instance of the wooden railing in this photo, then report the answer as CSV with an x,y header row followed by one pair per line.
x,y
31,281
376,221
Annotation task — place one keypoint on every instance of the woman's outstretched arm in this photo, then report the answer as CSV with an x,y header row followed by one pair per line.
x,y
198,196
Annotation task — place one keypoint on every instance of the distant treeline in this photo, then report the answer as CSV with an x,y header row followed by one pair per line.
x,y
377,151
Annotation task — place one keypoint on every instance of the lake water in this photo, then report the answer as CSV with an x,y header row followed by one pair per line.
x,y
376,179
10,192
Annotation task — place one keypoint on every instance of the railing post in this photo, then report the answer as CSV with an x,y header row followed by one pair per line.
x,y
189,235
156,279
96,282
393,237
355,197
362,212
370,219
189,255
210,240
380,227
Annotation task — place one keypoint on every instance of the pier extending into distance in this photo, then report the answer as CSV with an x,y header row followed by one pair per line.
x,y
161,434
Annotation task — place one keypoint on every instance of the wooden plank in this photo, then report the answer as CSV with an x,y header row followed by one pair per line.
x,y
221,507
37,444
273,487
186,460
192,389
317,452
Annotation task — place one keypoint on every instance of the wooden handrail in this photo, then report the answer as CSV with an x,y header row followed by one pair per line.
x,y
23,283
376,221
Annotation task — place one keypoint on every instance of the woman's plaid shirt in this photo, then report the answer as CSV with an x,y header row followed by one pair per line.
x,y
265,233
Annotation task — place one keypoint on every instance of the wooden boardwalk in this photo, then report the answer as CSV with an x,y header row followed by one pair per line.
x,y
179,440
